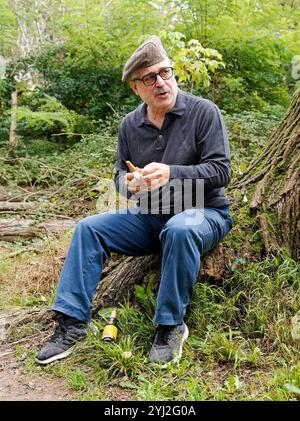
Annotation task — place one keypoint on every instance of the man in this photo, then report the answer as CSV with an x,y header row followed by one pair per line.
x,y
171,136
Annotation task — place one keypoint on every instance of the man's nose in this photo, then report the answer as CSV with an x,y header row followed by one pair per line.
x,y
159,81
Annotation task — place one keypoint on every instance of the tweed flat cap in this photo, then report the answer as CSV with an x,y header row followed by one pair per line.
x,y
147,54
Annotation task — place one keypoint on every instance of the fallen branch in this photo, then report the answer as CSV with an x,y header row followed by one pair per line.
x,y
5,206
16,229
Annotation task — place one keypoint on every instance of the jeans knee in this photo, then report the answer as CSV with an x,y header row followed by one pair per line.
x,y
175,231
85,225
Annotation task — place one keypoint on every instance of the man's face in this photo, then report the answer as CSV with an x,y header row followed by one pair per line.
x,y
161,96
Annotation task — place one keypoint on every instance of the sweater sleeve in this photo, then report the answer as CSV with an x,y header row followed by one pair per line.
x,y
121,169
213,151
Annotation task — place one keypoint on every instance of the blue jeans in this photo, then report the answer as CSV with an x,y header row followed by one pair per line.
x,y
182,239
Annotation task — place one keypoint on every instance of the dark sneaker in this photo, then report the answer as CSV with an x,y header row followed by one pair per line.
x,y
62,343
167,345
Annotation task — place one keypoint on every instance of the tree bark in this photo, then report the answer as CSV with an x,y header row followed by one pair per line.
x,y
119,277
272,184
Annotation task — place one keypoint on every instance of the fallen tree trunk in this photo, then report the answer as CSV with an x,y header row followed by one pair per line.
x,y
6,206
120,276
16,229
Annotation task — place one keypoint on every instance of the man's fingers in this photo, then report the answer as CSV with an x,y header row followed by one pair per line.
x,y
154,184
138,189
128,177
149,170
133,189
152,175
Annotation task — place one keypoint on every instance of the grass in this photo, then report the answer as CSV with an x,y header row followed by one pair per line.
x,y
243,342
240,345
29,278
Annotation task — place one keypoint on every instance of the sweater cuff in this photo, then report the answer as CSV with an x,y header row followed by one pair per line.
x,y
173,172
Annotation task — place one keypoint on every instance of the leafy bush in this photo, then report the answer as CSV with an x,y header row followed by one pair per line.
x,y
248,132
257,43
89,88
50,118
4,115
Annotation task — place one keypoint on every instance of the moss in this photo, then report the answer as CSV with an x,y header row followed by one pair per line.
x,y
256,244
236,239
244,217
245,233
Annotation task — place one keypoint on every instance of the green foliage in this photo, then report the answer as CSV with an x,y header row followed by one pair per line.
x,y
257,42
192,62
89,88
8,28
4,111
246,303
50,118
3,93
284,384
78,380
248,133
80,62
256,72
84,71
146,296
232,94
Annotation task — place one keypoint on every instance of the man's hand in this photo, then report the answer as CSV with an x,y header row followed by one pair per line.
x,y
156,175
135,183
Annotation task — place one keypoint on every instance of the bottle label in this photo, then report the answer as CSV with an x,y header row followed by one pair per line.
x,y
109,333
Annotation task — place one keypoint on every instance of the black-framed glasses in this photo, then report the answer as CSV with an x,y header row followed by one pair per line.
x,y
150,78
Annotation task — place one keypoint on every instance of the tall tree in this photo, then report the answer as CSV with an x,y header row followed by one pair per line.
x,y
37,22
272,182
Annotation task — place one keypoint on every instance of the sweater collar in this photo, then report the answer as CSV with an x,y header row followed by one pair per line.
x,y
178,109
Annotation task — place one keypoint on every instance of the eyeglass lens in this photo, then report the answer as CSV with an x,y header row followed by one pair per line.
x,y
165,73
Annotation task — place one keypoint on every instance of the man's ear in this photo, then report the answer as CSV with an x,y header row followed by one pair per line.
x,y
132,84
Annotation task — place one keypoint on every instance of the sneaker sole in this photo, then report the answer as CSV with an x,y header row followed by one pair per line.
x,y
178,356
56,357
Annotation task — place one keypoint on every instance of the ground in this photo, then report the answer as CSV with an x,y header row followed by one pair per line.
x,y
21,379
19,383
16,384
